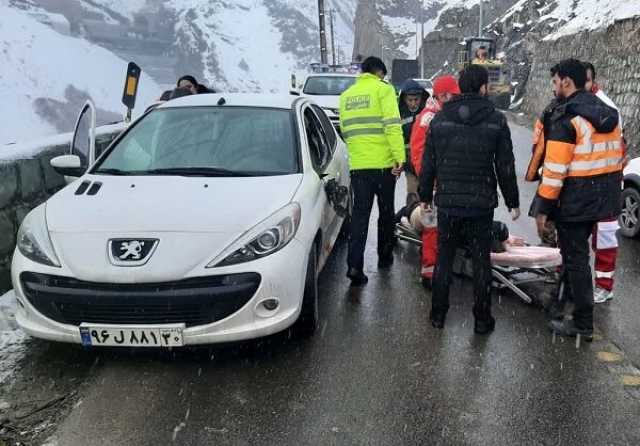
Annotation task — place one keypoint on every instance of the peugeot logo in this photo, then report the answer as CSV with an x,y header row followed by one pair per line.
x,y
131,252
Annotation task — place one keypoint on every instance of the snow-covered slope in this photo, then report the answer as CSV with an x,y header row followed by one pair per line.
x,y
253,45
403,20
44,76
567,17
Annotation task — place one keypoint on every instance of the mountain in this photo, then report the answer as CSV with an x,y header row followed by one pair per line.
x,y
45,76
56,53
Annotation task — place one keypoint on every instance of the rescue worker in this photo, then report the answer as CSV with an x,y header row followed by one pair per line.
x,y
604,241
468,153
411,102
445,88
370,123
581,185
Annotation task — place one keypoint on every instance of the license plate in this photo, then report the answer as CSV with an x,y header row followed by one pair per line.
x,y
116,336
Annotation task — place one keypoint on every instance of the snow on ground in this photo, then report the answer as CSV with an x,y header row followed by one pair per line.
x,y
12,339
590,14
37,62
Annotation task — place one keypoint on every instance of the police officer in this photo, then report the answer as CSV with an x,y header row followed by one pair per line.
x,y
370,124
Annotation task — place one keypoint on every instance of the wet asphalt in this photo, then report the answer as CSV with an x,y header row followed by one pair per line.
x,y
376,373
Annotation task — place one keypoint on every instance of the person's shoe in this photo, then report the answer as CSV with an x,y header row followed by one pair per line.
x,y
358,278
484,326
427,283
437,319
385,261
568,329
600,295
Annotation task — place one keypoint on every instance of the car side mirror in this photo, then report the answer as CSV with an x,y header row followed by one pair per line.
x,y
68,165
294,92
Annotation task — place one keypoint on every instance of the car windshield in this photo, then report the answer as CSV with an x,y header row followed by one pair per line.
x,y
206,141
327,85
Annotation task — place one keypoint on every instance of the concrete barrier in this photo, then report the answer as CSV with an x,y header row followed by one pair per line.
x,y
27,179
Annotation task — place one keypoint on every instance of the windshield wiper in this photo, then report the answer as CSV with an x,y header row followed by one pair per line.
x,y
198,172
110,171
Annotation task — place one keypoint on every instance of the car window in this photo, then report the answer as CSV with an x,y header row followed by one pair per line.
x,y
237,139
318,147
329,129
327,85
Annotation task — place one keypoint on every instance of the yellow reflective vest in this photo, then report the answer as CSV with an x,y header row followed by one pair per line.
x,y
370,124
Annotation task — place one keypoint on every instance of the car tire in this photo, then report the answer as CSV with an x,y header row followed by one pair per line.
x,y
630,217
307,322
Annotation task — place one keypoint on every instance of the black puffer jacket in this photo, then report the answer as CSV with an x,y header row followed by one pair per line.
x,y
468,153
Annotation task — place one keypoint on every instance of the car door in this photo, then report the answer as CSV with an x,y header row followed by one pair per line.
x,y
83,143
328,168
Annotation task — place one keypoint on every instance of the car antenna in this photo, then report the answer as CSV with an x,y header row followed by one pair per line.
x,y
222,101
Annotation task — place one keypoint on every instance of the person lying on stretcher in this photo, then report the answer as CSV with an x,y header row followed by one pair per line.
x,y
423,224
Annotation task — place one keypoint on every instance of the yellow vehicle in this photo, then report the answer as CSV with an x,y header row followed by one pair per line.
x,y
499,76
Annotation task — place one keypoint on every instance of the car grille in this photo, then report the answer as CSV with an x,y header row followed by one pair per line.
x,y
194,302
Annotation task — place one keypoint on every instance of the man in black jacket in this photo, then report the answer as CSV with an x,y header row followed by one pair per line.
x,y
468,153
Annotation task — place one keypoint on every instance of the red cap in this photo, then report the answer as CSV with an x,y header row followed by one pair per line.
x,y
445,84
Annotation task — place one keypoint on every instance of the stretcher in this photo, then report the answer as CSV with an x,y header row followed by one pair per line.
x,y
519,264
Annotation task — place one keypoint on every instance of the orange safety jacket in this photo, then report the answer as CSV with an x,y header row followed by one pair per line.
x,y
583,157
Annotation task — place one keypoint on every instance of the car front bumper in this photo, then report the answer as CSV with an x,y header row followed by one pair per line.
x,y
281,276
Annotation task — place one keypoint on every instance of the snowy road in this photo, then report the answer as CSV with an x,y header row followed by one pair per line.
x,y
376,373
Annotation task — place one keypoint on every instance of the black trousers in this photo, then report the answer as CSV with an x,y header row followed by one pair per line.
x,y
453,233
367,184
573,239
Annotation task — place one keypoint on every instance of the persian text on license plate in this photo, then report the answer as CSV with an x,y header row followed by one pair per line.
x,y
115,336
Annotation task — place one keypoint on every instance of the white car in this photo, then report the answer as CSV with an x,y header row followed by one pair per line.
x,y
325,90
629,219
207,220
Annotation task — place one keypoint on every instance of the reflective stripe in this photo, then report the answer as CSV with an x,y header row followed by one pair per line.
x,y
362,132
391,121
556,167
552,182
611,226
605,275
362,120
607,146
595,164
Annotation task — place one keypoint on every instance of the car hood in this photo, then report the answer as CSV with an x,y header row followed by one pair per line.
x,y
169,203
633,168
332,102
192,221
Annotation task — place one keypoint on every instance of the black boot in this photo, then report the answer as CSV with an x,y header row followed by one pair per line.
x,y
358,278
484,326
484,322
385,261
437,319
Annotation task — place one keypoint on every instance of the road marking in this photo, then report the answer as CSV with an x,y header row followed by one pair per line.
x,y
605,356
631,380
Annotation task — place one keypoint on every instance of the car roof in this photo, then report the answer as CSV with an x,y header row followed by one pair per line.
x,y
332,75
282,101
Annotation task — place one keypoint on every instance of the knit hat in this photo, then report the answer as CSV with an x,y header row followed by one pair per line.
x,y
445,84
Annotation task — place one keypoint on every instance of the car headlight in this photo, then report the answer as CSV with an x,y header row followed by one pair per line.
x,y
33,238
267,237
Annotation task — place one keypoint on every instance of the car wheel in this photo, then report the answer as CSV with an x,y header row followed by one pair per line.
x,y
629,224
307,323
